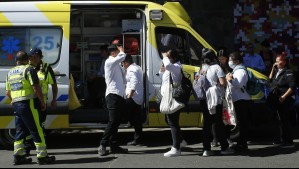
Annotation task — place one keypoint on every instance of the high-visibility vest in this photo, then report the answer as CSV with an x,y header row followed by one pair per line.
x,y
42,76
20,86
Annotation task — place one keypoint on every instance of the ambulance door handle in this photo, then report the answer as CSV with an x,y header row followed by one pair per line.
x,y
60,75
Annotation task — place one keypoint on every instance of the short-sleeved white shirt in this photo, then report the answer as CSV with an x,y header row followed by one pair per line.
x,y
214,73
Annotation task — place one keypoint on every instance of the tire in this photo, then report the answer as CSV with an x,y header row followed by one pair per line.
x,y
7,138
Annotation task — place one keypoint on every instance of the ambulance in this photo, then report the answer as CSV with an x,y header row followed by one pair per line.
x,y
70,35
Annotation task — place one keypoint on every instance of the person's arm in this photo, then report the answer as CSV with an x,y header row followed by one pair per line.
x,y
222,81
291,84
52,81
133,82
171,67
34,81
240,79
271,76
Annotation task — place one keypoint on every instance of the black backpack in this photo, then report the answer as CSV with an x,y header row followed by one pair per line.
x,y
183,93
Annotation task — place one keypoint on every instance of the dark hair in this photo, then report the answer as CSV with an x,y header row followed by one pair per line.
x,y
112,48
237,56
222,52
174,54
129,59
21,56
209,57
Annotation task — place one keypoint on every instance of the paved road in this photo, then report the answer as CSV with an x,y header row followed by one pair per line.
x,y
77,149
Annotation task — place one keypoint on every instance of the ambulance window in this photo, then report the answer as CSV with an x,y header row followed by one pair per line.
x,y
14,39
187,46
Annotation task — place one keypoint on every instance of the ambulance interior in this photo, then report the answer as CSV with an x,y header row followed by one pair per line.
x,y
91,29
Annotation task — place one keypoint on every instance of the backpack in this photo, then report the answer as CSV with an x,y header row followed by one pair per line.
x,y
182,94
201,85
254,86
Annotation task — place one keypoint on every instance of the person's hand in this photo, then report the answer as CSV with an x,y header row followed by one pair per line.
x,y
53,104
282,99
165,55
274,66
229,77
43,106
120,48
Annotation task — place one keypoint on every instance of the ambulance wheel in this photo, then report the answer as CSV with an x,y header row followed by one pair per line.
x,y
7,138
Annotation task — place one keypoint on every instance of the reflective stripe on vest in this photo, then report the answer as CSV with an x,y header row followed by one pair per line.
x,y
42,75
21,88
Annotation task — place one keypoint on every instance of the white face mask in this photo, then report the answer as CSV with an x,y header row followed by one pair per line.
x,y
231,64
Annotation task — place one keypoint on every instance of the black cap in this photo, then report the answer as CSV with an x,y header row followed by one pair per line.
x,y
35,51
21,56
112,48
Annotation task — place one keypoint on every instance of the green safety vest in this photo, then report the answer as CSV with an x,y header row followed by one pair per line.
x,y
20,86
42,76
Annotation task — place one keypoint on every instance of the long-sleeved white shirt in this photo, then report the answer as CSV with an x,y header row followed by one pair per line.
x,y
114,75
175,70
238,84
134,79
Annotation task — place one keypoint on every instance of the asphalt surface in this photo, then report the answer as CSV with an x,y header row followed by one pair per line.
x,y
78,149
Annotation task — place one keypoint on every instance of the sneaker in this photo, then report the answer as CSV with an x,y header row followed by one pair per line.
x,y
207,153
134,143
183,144
287,145
103,151
19,160
119,150
215,143
228,151
173,153
46,160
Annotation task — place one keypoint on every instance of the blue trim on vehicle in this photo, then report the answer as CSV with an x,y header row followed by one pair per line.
x,y
1,98
63,98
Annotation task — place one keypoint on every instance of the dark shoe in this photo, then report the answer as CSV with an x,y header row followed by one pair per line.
x,y
46,160
214,143
287,145
19,160
103,151
119,150
240,148
134,143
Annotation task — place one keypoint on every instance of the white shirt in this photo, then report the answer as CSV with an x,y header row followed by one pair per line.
x,y
134,79
175,70
238,84
114,75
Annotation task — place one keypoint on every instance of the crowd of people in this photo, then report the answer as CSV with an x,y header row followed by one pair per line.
x,y
27,86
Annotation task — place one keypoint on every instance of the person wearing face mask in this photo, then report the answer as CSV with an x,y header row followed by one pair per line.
x,y
242,101
213,104
172,67
282,89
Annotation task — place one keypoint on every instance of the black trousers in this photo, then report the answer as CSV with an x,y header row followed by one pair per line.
x,y
285,111
174,124
242,108
96,89
135,117
209,121
115,105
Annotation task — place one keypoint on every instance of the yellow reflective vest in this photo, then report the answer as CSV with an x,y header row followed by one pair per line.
x,y
45,78
19,82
